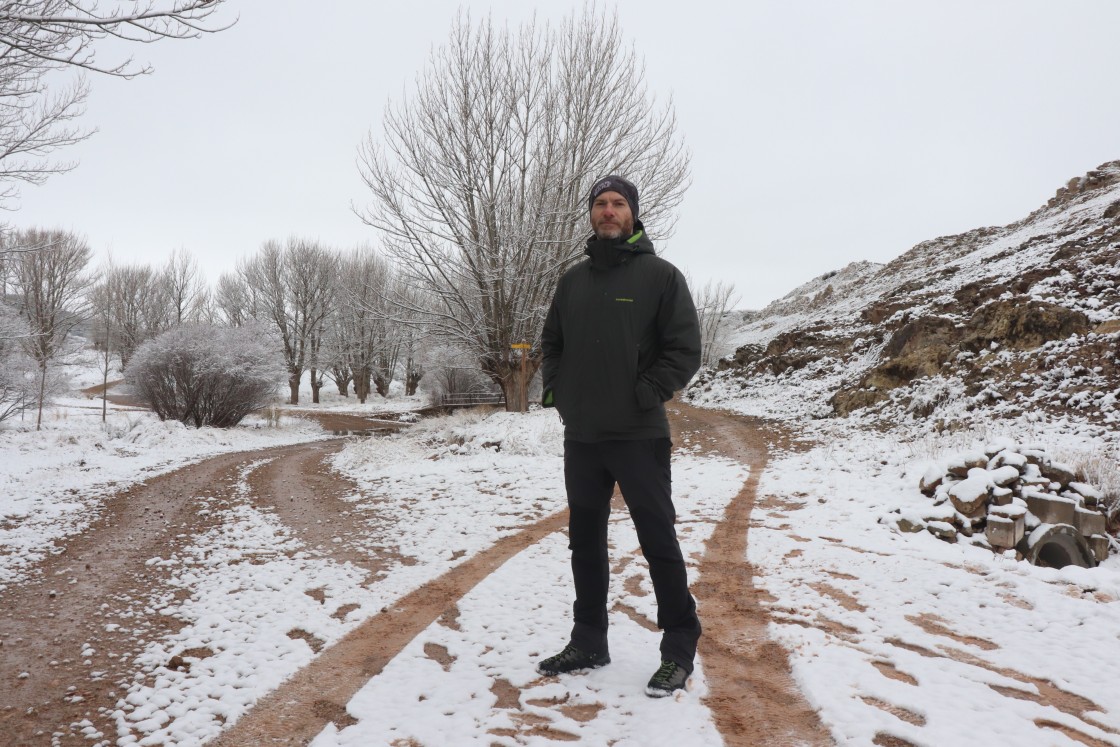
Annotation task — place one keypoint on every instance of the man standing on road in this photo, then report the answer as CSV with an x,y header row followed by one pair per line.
x,y
621,336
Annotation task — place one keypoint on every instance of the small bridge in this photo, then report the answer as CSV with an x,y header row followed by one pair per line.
x,y
472,400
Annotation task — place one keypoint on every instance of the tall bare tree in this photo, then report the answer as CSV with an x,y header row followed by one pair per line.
x,y
51,283
139,306
362,317
713,301
478,183
232,299
291,285
40,37
185,286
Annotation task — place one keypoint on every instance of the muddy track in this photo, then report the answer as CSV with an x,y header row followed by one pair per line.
x,y
296,712
752,693
90,597
101,579
753,697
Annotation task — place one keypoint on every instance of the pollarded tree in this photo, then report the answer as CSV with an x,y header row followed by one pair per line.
x,y
291,286
360,315
479,182
51,284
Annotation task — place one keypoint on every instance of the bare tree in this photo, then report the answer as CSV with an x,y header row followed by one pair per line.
x,y
291,286
138,303
478,184
101,301
51,284
185,286
232,300
17,369
362,316
713,301
39,37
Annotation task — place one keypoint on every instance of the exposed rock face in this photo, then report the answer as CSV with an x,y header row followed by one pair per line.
x,y
923,346
1020,318
1022,324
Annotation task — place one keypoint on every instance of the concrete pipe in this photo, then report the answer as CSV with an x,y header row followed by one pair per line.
x,y
1056,546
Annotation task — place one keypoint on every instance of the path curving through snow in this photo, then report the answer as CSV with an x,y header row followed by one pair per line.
x,y
289,554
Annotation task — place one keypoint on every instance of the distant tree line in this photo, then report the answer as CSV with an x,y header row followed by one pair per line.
x,y
477,192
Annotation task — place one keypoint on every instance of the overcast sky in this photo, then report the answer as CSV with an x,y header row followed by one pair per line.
x,y
821,131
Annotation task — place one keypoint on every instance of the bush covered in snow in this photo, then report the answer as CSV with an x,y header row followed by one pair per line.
x,y
207,375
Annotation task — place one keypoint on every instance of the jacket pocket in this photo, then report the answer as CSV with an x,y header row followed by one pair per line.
x,y
647,395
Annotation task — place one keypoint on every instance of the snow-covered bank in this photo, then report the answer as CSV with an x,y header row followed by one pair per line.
x,y
907,636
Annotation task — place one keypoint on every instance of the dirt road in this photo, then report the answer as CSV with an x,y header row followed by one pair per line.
x,y
74,628
753,696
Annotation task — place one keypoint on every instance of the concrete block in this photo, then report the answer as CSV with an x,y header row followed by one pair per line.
x,y
1050,509
1002,497
1005,532
1089,522
1098,543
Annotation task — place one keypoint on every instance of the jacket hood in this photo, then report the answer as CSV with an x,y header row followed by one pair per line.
x,y
613,252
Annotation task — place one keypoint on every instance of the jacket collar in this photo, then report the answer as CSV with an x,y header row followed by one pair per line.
x,y
606,253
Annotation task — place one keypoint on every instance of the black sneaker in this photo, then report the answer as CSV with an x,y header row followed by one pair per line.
x,y
571,659
668,678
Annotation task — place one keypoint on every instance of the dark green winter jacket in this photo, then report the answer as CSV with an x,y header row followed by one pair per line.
x,y
620,337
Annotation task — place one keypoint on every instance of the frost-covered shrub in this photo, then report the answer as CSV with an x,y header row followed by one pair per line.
x,y
207,375
1101,470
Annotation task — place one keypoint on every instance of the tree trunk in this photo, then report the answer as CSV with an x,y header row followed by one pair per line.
x,y
361,384
42,393
382,384
514,383
342,377
412,377
105,390
293,385
316,385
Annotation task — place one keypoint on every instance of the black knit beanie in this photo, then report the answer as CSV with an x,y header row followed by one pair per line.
x,y
615,184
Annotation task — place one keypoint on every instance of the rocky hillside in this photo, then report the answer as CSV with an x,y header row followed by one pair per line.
x,y
1018,320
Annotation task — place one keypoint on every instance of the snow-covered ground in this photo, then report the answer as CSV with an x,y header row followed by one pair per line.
x,y
889,634
908,636
458,484
53,481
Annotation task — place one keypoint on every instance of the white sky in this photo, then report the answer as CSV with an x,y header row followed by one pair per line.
x,y
821,132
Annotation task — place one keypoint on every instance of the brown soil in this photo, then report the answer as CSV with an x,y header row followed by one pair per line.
x,y
124,400
752,695
286,716
100,578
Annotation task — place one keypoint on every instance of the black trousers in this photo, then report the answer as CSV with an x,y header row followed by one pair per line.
x,y
641,469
